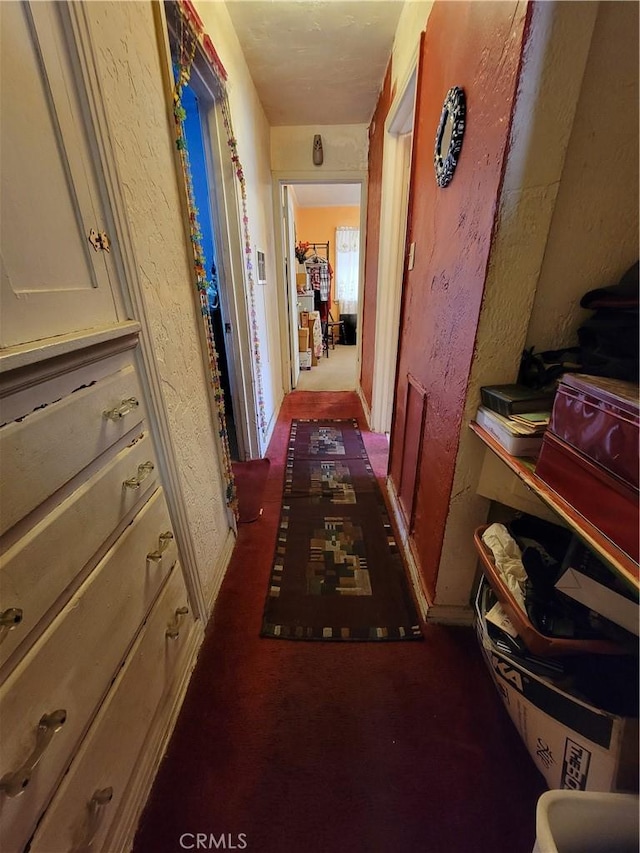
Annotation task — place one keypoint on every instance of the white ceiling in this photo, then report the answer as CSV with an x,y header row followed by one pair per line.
x,y
326,195
316,62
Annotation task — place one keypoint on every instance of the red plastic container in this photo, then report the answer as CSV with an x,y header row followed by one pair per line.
x,y
607,501
537,643
600,418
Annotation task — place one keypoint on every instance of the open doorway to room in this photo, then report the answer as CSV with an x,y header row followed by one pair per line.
x,y
213,223
193,128
322,243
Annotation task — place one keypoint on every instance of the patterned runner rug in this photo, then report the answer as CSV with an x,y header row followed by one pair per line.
x,y
337,573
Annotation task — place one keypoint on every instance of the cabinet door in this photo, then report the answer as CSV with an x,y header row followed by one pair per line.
x,y
52,279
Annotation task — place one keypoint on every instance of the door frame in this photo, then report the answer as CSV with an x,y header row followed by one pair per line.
x,y
392,251
285,178
288,226
226,220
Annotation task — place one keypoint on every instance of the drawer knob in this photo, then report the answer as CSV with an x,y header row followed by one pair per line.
x,y
143,471
164,540
123,409
9,618
97,804
13,784
173,628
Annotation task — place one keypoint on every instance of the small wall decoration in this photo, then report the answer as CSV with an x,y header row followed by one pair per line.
x,y
262,267
318,155
449,136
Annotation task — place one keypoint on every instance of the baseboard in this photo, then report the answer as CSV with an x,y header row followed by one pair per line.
x,y
416,580
447,614
365,405
222,564
264,442
121,840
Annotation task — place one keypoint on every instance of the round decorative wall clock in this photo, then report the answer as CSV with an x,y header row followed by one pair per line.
x,y
449,136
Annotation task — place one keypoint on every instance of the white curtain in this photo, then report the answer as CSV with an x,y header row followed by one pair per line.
x,y
347,268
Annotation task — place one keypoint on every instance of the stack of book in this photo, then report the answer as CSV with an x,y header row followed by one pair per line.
x,y
516,416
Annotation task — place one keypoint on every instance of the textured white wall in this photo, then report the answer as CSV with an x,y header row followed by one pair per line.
x,y
345,148
132,89
548,91
594,232
252,133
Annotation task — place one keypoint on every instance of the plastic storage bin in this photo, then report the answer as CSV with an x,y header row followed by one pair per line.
x,y
586,822
536,642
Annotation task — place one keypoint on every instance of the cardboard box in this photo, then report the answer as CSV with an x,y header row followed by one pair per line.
x,y
304,319
601,598
573,744
305,360
303,340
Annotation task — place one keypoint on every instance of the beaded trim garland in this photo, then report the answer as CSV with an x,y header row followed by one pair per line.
x,y
189,15
190,32
185,52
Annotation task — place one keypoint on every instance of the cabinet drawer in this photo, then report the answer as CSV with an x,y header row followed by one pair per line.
x,y
89,799
71,667
39,567
51,445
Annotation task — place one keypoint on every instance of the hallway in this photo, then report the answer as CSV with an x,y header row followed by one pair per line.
x,y
336,747
335,373
138,702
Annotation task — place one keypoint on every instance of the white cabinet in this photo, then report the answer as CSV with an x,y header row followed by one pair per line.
x,y
97,630
95,791
91,597
52,280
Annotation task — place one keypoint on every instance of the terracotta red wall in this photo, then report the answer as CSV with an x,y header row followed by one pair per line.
x,y
476,46
374,196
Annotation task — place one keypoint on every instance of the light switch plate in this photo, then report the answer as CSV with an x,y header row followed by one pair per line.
x,y
412,254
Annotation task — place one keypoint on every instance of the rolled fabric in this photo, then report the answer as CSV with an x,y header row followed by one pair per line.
x,y
508,560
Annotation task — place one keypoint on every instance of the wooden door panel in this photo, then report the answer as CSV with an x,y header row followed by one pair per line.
x,y
412,446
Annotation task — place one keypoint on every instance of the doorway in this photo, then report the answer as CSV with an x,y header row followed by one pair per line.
x,y
321,236
193,128
394,255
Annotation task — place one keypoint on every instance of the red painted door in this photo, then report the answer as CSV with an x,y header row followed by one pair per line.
x,y
476,46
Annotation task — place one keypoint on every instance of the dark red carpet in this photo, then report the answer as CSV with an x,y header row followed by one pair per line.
x,y
332,748
251,479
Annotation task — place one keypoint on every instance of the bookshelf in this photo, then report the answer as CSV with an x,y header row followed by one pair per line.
x,y
523,468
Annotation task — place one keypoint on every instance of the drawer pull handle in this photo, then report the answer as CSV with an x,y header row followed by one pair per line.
x,y
143,471
13,784
173,628
123,409
164,540
9,619
97,804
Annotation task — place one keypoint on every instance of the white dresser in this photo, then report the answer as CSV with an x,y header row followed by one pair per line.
x,y
96,631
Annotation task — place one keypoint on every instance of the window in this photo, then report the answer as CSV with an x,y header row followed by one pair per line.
x,y
347,268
